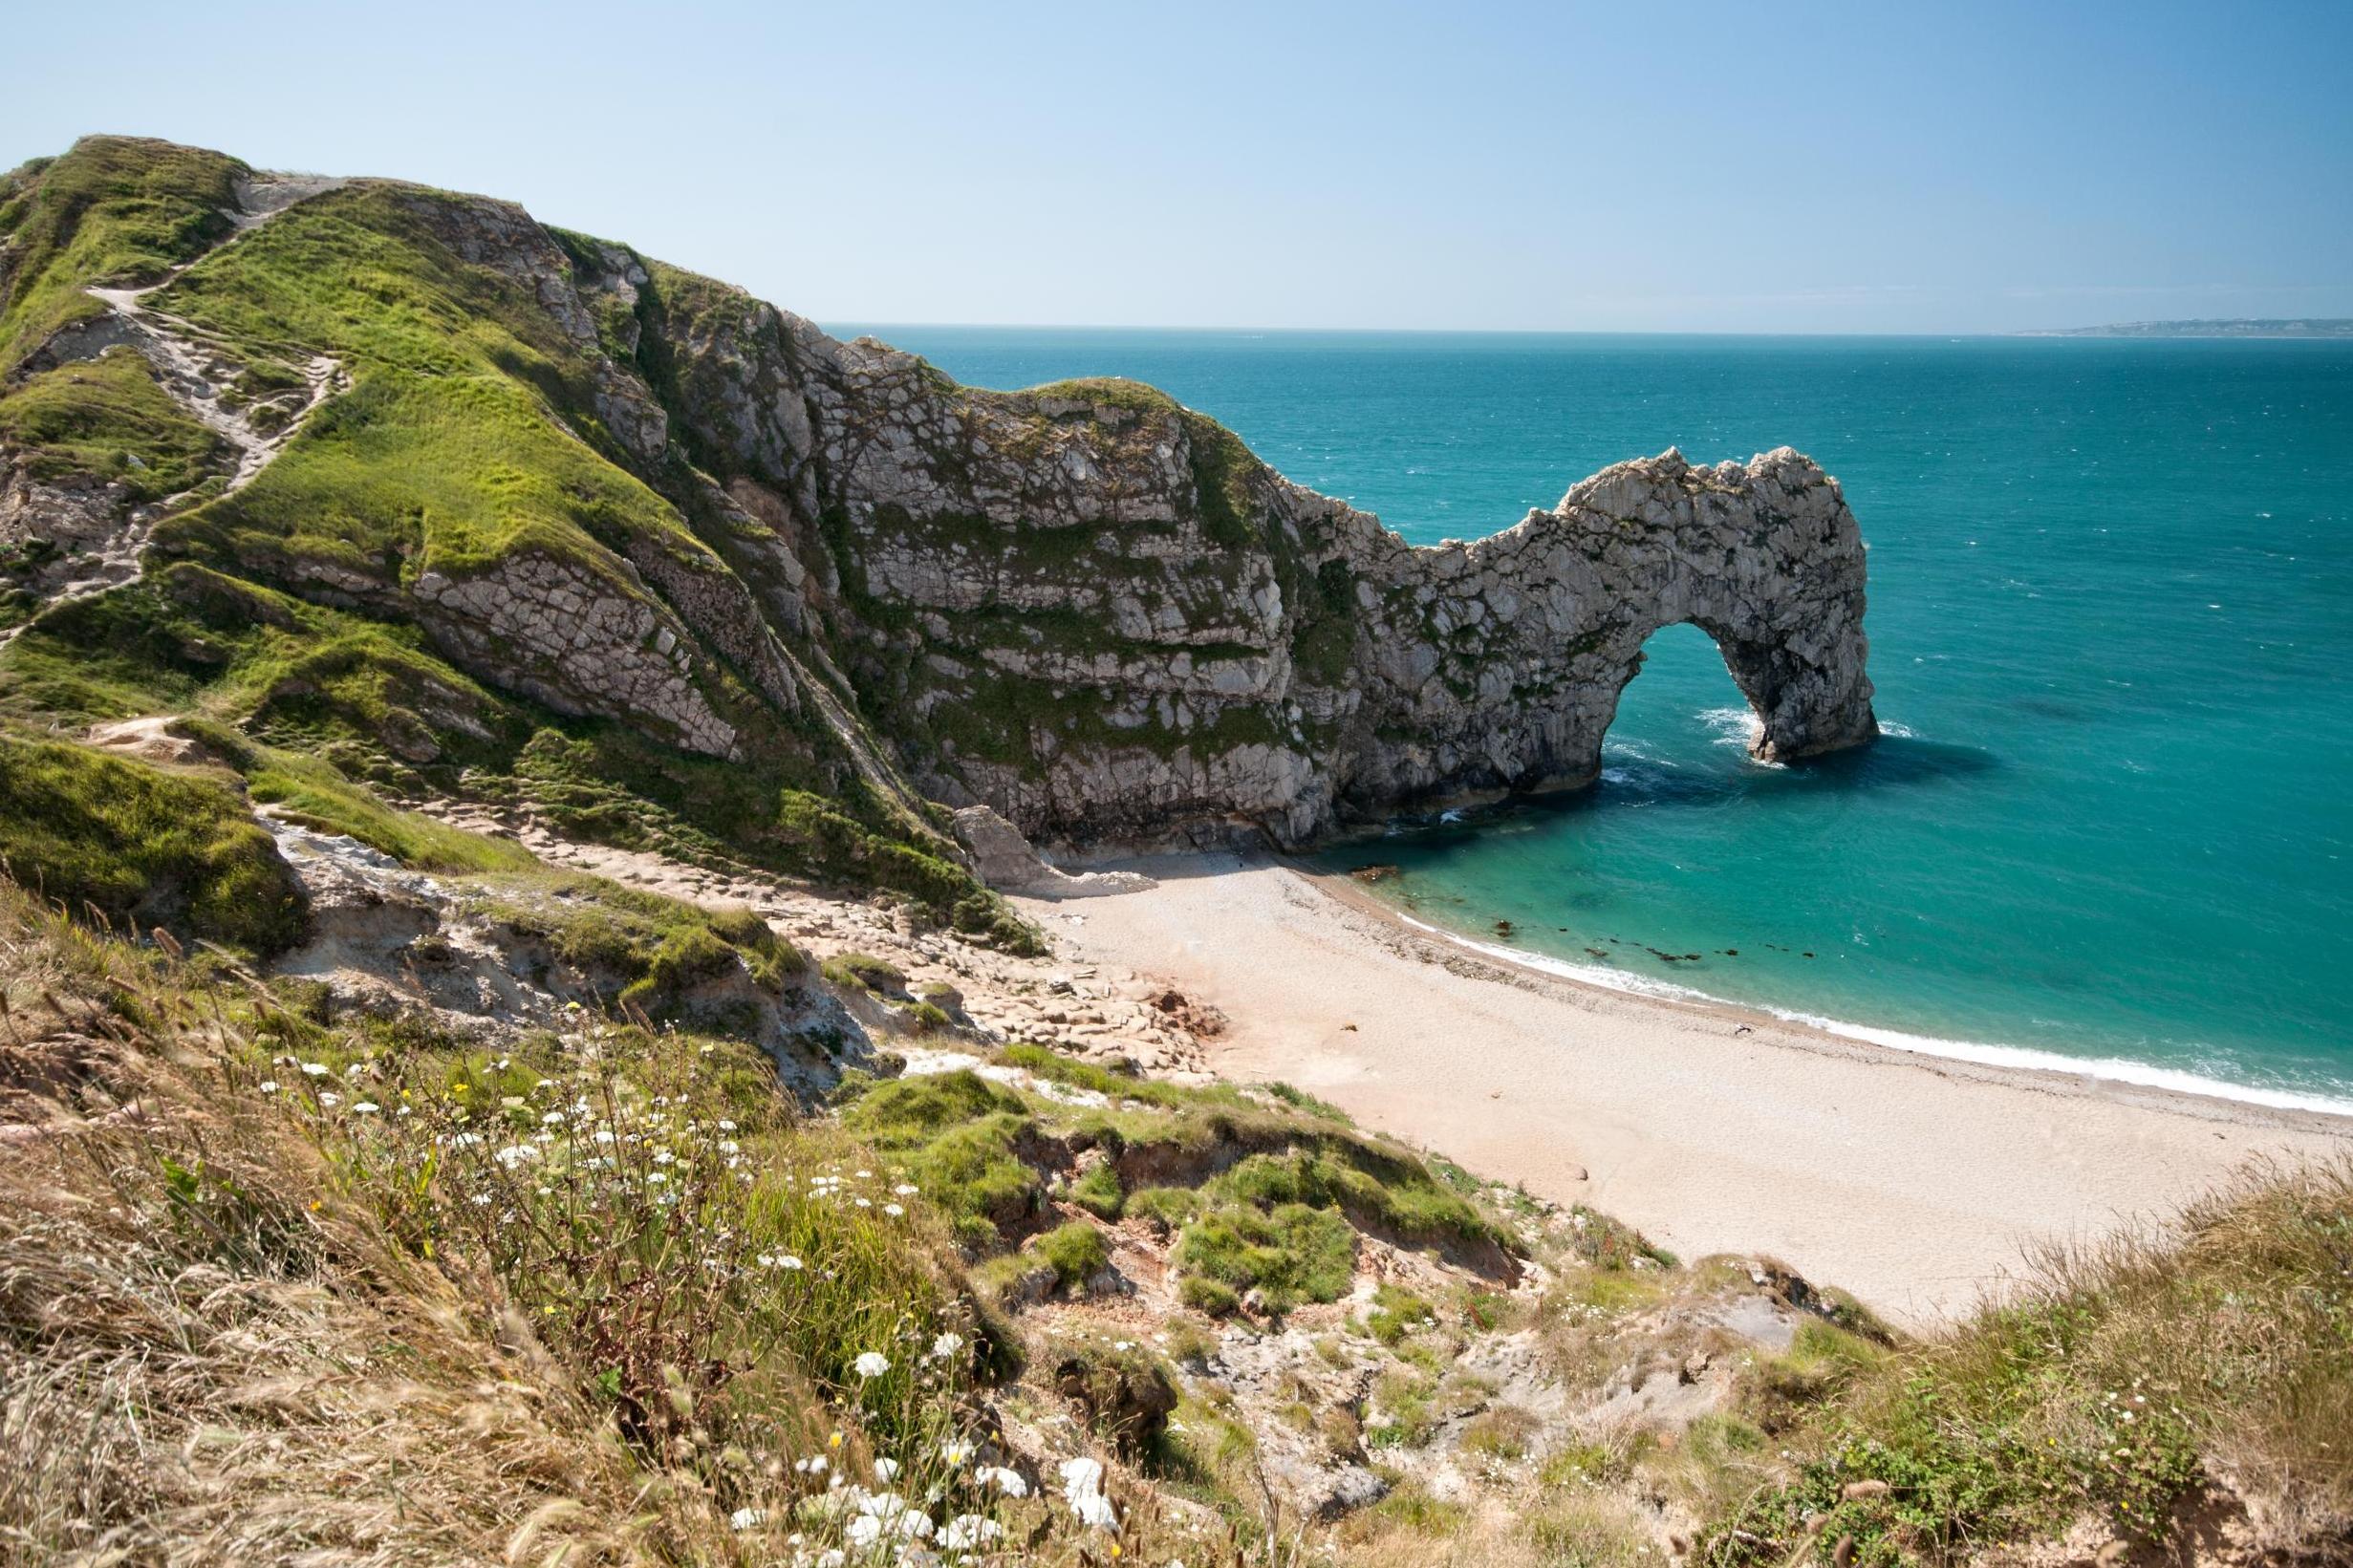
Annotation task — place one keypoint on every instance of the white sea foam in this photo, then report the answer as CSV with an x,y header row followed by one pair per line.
x,y
1732,726
2112,1069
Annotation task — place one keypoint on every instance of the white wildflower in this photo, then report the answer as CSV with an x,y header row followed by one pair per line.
x,y
969,1532
1008,1481
871,1364
366,1108
891,1208
747,1519
1082,1488
886,1469
946,1345
328,1097
315,1069
906,1190
269,1085
955,1452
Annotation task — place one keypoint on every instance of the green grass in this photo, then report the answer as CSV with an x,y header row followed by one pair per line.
x,y
112,210
1396,1312
409,473
656,948
1071,1073
1168,1206
958,1135
142,844
311,792
2125,1377
1076,1253
373,694
1098,1191
864,971
106,420
1281,1221
1289,1255
1383,1189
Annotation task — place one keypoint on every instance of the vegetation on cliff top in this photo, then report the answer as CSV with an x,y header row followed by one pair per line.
x,y
115,211
471,436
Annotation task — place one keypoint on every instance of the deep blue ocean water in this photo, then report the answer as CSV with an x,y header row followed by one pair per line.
x,y
2111,623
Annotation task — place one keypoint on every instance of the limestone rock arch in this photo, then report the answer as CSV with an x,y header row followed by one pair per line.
x,y
1763,556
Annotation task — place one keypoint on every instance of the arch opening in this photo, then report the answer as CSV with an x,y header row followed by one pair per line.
x,y
1689,696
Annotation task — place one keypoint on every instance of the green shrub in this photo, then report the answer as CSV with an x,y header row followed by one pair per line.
x,y
1125,1393
1290,1254
958,1134
1501,1431
1098,1191
1203,1293
1076,1254
658,948
864,971
1165,1207
1396,1312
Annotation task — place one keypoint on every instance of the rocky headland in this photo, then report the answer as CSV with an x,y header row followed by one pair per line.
x,y
1081,605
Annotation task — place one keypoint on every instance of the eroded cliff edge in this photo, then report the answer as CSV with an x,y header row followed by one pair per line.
x,y
607,489
1097,611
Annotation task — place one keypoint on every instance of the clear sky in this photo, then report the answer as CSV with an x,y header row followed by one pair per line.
x,y
1869,167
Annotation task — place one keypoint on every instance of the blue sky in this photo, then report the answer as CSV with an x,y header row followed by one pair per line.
x,y
1793,168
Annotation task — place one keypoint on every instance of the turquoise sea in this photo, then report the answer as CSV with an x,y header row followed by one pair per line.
x,y
2111,623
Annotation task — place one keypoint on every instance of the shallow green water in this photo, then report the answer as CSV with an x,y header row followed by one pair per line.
x,y
2112,625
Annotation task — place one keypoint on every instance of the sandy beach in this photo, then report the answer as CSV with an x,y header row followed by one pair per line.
x,y
1916,1182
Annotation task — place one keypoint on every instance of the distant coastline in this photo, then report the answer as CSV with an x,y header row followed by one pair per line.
x,y
2337,327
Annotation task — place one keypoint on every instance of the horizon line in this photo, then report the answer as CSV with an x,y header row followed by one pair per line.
x,y
2106,331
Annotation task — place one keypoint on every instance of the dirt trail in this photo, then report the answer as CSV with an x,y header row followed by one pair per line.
x,y
195,368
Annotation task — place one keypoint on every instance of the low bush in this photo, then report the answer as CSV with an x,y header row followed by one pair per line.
x,y
1076,1254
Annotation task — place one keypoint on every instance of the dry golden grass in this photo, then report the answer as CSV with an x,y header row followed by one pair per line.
x,y
247,1374
241,1321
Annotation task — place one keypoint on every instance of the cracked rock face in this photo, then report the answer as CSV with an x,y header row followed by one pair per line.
x,y
1094,611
